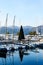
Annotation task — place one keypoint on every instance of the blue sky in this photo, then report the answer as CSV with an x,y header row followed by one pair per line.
x,y
26,12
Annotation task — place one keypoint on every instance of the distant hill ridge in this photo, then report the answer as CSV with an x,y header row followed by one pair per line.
x,y
26,29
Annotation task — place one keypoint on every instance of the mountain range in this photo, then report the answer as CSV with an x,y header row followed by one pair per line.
x,y
26,29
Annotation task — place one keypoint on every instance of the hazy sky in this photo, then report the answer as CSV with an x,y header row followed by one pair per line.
x,y
26,12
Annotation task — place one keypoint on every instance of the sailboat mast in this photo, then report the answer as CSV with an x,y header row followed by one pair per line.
x,y
6,24
0,27
13,27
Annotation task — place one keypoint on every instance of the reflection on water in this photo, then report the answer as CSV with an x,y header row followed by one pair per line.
x,y
21,54
3,55
22,57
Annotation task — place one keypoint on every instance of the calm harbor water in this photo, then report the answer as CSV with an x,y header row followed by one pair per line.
x,y
22,57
